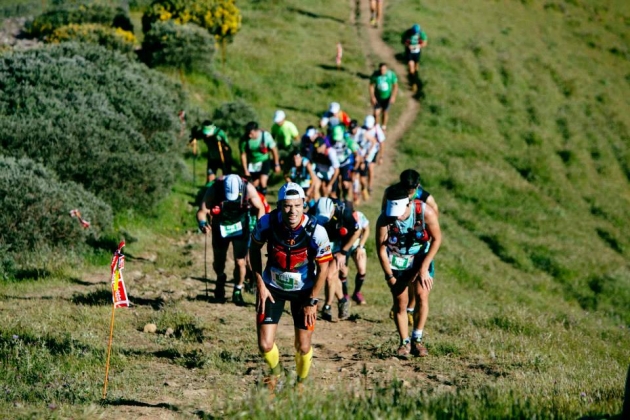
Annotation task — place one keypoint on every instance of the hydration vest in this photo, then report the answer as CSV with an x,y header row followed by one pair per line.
x,y
287,253
229,211
416,235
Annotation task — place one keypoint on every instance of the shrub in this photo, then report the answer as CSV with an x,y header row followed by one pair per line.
x,y
232,117
94,33
104,14
93,116
36,211
185,47
221,18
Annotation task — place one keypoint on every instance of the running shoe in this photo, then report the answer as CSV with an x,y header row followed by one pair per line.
x,y
404,350
358,298
237,297
418,349
373,22
344,310
327,313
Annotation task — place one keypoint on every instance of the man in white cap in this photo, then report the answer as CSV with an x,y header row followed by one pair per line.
x,y
286,135
228,203
407,238
297,265
371,149
333,117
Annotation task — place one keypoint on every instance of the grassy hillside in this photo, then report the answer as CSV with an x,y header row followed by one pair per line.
x,y
524,142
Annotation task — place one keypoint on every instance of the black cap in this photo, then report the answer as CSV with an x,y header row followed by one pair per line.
x,y
396,192
410,178
250,126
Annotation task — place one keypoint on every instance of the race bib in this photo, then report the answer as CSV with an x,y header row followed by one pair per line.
x,y
414,48
401,262
255,167
286,281
228,231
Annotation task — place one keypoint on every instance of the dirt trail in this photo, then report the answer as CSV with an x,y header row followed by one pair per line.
x,y
346,354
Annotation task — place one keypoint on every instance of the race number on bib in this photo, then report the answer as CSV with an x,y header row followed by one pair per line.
x,y
401,262
228,231
286,281
255,167
414,49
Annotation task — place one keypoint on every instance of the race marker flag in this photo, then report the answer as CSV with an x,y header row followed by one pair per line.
x,y
119,292
76,213
119,298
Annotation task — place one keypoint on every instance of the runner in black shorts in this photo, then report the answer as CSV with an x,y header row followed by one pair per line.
x,y
297,266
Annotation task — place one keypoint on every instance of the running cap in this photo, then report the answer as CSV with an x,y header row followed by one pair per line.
x,y
279,116
232,184
334,107
410,178
369,122
320,141
397,201
325,210
290,191
311,132
353,124
416,28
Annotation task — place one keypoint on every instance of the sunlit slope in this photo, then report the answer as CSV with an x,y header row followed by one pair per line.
x,y
524,140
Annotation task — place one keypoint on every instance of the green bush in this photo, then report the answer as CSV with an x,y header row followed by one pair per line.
x,y
111,38
185,47
104,14
95,117
232,117
36,208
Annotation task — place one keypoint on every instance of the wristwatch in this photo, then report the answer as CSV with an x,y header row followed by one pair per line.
x,y
313,302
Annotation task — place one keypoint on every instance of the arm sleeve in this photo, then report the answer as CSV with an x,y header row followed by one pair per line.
x,y
334,159
320,237
294,131
260,230
242,146
269,141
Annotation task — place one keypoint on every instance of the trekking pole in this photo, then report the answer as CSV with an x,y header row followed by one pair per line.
x,y
205,262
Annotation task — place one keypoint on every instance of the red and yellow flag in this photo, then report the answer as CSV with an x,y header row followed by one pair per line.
x,y
119,292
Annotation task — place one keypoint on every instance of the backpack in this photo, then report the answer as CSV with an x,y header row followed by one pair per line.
x,y
418,234
263,145
287,253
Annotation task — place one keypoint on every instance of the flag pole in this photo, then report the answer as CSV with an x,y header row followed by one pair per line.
x,y
109,350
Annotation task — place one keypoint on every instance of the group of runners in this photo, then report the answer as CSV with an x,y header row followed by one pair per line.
x,y
316,228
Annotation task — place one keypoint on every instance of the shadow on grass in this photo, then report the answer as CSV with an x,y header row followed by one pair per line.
x,y
134,403
6,297
31,274
329,67
86,283
103,297
314,15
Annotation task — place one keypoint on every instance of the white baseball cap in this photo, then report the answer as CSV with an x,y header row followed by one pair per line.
x,y
325,210
334,107
232,184
279,116
369,122
290,191
396,208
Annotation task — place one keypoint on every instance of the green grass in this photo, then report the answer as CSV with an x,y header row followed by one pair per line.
x,y
523,140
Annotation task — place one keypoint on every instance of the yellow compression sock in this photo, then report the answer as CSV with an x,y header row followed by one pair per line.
x,y
303,364
272,357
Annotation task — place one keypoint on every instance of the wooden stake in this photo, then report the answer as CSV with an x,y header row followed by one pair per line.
x,y
109,351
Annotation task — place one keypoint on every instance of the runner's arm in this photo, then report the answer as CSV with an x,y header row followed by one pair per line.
x,y
244,163
311,173
364,236
353,238
433,204
394,93
372,93
276,159
381,250
433,229
254,198
204,212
